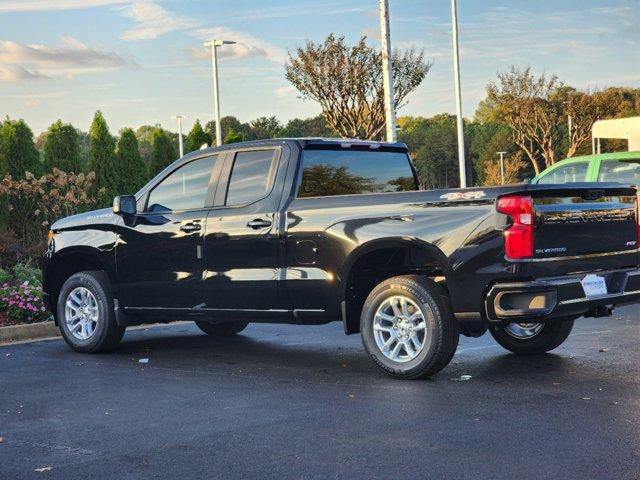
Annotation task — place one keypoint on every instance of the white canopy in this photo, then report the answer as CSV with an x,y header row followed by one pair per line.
x,y
623,128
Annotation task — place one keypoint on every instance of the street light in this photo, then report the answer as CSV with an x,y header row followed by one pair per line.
x,y
214,71
501,165
180,118
456,75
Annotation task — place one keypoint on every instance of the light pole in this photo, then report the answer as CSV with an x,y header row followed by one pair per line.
x,y
180,118
214,71
387,73
501,165
565,104
456,74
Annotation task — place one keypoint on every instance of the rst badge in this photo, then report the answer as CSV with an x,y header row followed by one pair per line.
x,y
464,195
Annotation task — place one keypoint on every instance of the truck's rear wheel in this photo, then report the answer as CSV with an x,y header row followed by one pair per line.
x,y
407,327
86,317
532,338
224,329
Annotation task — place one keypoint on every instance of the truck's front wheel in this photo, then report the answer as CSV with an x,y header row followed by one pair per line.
x,y
532,338
407,327
85,313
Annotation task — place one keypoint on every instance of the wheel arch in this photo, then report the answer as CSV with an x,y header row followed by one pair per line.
x,y
67,262
377,260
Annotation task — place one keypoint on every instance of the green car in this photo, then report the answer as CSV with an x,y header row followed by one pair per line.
x,y
623,167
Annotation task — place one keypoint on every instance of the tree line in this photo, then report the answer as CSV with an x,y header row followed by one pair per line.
x,y
124,163
535,119
533,138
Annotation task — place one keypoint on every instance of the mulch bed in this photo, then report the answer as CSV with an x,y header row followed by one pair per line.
x,y
5,321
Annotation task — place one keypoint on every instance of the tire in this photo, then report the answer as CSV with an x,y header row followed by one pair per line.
x,y
98,314
549,336
225,329
439,340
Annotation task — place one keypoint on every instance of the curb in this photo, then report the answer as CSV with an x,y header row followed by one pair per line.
x,y
48,331
30,331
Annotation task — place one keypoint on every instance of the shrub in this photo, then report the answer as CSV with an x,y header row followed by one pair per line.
x,y
22,303
33,204
22,272
4,276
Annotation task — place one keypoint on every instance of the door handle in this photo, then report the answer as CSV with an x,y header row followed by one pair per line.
x,y
259,223
190,227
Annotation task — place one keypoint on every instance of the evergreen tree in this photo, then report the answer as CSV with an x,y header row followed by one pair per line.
x,y
102,158
266,127
232,137
18,153
230,124
132,172
62,148
307,127
162,151
196,138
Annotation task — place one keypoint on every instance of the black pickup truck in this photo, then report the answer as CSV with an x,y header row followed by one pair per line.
x,y
311,231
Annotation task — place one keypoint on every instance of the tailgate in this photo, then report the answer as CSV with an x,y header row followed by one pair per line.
x,y
583,220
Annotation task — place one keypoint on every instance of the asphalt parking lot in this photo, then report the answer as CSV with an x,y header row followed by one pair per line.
x,y
305,402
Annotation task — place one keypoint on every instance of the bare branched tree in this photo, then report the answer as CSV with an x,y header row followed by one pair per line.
x,y
526,104
512,168
347,82
584,109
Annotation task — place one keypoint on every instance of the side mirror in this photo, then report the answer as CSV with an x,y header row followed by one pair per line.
x,y
124,205
527,180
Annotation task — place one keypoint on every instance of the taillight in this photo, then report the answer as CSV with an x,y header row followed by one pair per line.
x,y
518,237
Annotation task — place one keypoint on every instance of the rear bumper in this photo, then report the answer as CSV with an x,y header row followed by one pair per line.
x,y
558,296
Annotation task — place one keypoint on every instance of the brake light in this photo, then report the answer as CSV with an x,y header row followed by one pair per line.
x,y
518,237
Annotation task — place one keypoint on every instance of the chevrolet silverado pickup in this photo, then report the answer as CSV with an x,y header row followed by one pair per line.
x,y
310,231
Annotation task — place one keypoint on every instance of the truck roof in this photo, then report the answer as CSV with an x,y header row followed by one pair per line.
x,y
318,143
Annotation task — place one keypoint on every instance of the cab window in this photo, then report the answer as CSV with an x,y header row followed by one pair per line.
x,y
623,171
251,176
184,189
570,173
349,172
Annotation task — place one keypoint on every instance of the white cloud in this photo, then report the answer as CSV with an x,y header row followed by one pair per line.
x,y
299,9
618,11
246,45
152,20
44,5
285,91
26,62
15,73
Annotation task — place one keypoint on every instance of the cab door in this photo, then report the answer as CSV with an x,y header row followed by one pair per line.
x,y
159,253
241,243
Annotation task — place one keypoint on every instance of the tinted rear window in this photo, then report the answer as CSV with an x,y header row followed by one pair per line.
x,y
346,172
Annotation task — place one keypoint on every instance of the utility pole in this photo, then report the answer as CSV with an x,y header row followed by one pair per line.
x,y
501,165
214,44
456,74
387,73
180,118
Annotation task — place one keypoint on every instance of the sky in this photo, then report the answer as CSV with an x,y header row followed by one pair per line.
x,y
141,62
